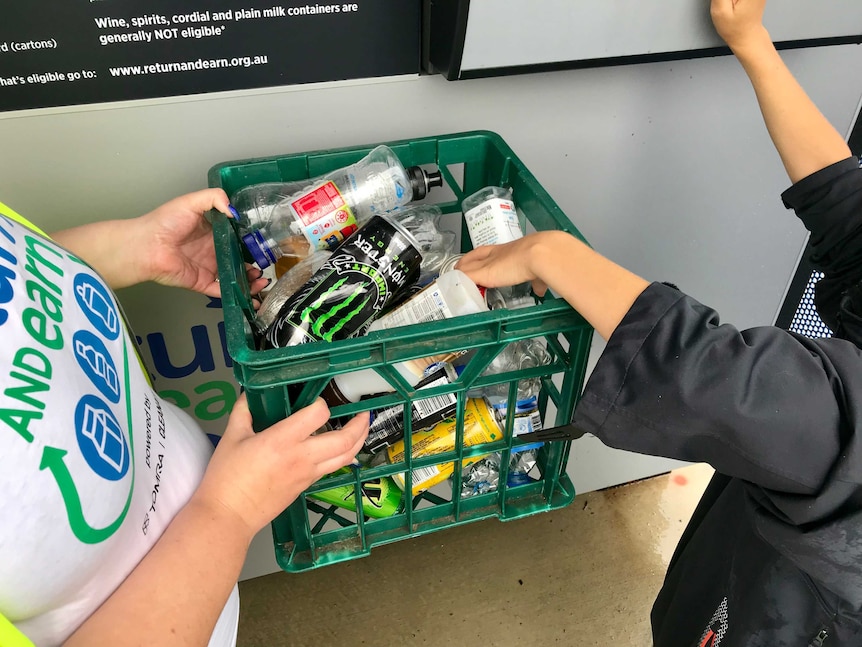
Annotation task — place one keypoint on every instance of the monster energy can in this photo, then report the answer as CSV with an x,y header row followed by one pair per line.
x,y
362,276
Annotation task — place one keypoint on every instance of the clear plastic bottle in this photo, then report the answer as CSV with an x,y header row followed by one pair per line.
x,y
491,216
451,295
510,297
517,356
492,219
331,207
255,202
435,243
483,476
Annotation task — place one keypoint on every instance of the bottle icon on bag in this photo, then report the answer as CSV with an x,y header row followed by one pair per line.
x,y
106,437
99,306
99,366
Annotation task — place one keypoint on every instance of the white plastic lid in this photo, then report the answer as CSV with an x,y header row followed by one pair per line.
x,y
456,295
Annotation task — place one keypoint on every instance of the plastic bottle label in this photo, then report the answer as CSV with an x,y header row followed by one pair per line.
x,y
493,222
426,305
323,214
388,425
527,417
381,190
527,420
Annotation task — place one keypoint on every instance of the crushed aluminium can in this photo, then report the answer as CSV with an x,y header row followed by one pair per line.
x,y
481,425
380,497
358,281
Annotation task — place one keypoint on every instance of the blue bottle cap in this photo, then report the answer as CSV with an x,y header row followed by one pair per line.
x,y
260,251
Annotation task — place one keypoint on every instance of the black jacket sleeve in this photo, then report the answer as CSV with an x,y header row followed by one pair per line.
x,y
764,405
829,203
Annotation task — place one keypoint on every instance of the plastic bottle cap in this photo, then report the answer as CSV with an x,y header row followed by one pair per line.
x,y
422,181
333,396
260,251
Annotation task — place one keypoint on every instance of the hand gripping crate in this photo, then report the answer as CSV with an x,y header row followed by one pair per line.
x,y
310,534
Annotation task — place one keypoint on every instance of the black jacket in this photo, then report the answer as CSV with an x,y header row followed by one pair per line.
x,y
773,554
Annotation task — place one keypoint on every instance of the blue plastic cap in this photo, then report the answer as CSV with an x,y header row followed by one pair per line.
x,y
260,251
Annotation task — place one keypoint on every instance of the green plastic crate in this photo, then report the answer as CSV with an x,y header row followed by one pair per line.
x,y
309,533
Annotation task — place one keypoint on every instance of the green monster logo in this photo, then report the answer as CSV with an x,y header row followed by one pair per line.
x,y
321,320
372,491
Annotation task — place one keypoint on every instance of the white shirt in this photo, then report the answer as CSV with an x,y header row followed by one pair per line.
x,y
93,464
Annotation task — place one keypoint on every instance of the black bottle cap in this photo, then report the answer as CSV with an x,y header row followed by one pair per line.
x,y
333,396
422,181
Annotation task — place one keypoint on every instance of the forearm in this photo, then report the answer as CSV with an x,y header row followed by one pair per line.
x,y
599,289
176,593
805,140
110,247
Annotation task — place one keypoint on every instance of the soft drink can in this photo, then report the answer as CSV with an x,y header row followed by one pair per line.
x,y
481,425
359,280
380,497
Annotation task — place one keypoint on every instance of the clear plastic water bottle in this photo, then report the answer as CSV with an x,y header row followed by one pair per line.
x,y
491,216
331,207
255,205
517,356
510,297
255,202
492,219
435,243
483,476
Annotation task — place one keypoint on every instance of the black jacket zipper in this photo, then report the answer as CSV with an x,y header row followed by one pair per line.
x,y
819,639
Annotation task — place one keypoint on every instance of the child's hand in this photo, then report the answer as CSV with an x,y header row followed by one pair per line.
x,y
494,266
738,21
180,250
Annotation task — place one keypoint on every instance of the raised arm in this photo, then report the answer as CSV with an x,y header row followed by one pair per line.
x,y
805,140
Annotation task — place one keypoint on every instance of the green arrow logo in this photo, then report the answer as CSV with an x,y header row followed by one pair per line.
x,y
52,459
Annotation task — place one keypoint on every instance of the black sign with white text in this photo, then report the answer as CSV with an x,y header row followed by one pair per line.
x,y
75,52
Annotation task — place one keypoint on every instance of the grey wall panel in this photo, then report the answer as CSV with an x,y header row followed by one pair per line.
x,y
511,33
665,167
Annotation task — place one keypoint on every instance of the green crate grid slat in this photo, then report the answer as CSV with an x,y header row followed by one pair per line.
x,y
301,542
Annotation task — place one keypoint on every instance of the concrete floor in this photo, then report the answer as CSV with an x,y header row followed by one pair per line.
x,y
583,575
